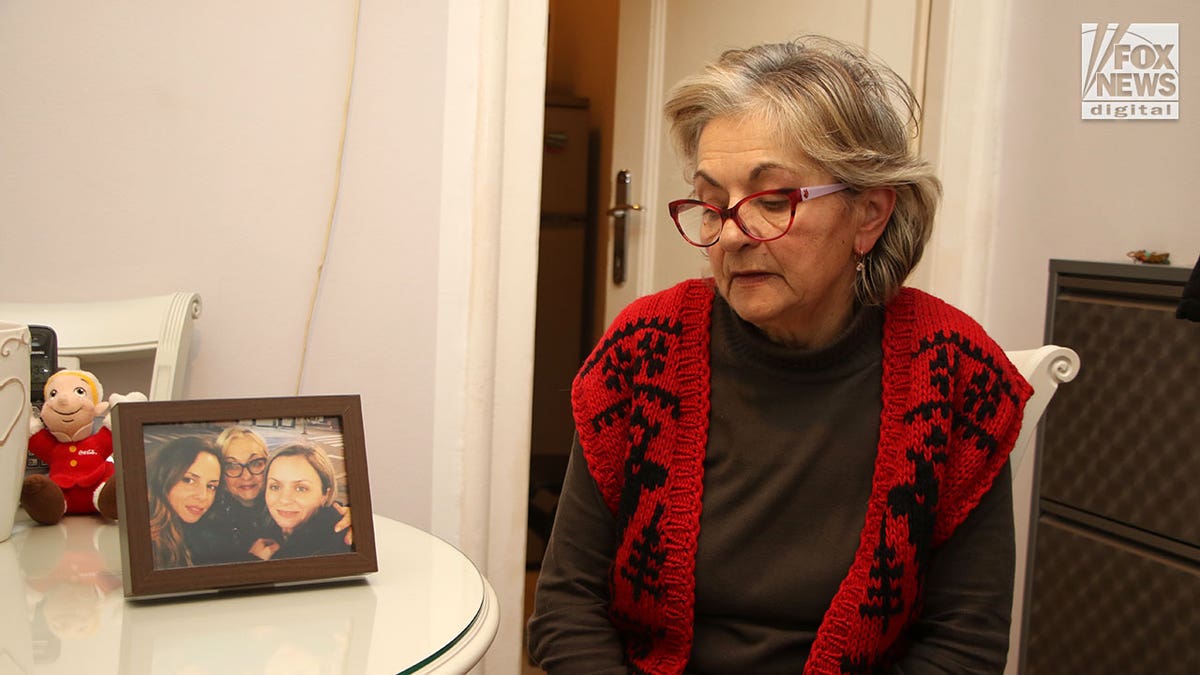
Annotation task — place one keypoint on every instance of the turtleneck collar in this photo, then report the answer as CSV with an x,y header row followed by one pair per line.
x,y
858,345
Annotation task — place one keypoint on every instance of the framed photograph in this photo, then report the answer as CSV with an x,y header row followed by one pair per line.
x,y
241,493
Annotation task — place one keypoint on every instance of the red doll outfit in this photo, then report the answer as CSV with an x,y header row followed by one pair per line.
x,y
78,467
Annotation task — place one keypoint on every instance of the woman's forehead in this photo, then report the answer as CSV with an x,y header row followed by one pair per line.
x,y
204,462
293,467
746,148
244,445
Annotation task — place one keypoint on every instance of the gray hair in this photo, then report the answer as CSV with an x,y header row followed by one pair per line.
x,y
848,113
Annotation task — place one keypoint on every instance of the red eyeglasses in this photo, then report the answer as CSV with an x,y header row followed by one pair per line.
x,y
762,216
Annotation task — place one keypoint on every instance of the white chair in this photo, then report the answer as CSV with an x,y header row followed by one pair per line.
x,y
1045,367
91,334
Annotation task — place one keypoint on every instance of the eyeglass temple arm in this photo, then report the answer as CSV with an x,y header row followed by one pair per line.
x,y
822,190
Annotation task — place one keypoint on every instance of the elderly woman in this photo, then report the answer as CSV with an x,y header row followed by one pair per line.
x,y
796,464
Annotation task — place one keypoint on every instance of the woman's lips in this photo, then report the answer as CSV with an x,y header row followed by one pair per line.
x,y
750,277
196,510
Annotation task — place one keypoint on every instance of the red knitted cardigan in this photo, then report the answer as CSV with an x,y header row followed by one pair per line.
x,y
952,407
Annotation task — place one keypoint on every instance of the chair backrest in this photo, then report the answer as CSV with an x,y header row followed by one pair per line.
x,y
94,332
1045,368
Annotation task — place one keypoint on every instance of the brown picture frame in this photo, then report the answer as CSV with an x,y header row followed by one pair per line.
x,y
139,430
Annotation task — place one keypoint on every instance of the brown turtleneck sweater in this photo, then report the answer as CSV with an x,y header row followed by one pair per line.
x,y
787,474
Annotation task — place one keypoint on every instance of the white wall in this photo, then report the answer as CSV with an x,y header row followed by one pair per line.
x,y
1079,189
149,147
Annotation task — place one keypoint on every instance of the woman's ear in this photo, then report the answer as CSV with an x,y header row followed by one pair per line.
x,y
875,209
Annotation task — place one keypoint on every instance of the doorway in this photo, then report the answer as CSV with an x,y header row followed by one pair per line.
x,y
577,149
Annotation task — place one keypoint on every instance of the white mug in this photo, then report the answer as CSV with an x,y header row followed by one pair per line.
x,y
14,419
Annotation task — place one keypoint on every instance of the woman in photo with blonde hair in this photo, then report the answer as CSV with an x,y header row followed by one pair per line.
x,y
239,515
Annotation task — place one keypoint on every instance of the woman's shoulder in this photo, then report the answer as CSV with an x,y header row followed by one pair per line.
x,y
671,311
926,309
926,318
683,309
668,302
920,325
328,515
316,536
320,525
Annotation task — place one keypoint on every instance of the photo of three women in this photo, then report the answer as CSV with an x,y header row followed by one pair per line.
x,y
232,500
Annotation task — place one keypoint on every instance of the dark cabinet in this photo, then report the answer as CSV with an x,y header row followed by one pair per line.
x,y
1115,570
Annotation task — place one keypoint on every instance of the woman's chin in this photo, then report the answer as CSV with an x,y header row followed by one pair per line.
x,y
753,308
191,516
754,294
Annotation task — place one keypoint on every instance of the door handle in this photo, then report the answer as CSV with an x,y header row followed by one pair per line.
x,y
620,214
620,209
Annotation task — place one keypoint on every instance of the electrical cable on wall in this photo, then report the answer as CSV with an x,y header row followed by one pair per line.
x,y
333,206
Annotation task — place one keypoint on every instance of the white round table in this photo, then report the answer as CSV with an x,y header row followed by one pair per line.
x,y
427,609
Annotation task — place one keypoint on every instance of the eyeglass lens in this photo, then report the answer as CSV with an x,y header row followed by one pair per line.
x,y
764,217
256,466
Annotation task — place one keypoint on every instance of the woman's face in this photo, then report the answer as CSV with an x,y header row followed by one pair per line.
x,y
798,289
246,487
193,494
293,491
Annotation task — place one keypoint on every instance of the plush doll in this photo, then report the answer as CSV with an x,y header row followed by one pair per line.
x,y
80,464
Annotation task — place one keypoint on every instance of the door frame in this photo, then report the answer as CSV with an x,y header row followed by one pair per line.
x,y
495,64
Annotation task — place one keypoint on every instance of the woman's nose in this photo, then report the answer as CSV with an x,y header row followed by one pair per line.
x,y
732,237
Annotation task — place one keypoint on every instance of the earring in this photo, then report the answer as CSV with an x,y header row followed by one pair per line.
x,y
859,266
